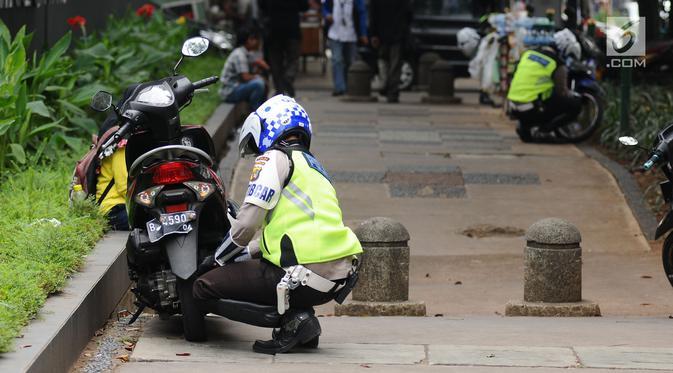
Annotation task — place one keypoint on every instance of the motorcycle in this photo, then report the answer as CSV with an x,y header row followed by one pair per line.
x,y
176,202
582,80
662,155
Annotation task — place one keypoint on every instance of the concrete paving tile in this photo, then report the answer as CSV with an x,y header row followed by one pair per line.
x,y
501,178
356,353
626,357
502,356
174,349
412,137
357,176
175,367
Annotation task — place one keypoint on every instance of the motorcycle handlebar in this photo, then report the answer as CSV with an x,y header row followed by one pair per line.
x,y
651,162
123,130
657,154
205,82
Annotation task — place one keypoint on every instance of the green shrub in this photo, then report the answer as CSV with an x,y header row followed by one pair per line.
x,y
35,110
42,242
43,104
129,50
651,110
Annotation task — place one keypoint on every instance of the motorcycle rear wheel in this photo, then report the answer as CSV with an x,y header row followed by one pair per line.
x,y
587,121
667,257
193,319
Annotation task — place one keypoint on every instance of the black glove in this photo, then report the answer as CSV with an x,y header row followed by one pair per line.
x,y
206,265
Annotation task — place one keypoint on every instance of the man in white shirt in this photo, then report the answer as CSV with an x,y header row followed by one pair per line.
x,y
347,24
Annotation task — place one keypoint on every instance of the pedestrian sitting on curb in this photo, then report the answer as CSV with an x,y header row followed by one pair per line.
x,y
347,21
241,76
306,256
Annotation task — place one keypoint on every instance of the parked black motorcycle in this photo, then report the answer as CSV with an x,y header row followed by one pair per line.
x,y
662,154
176,201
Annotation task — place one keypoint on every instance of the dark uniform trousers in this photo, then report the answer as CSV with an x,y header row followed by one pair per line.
x,y
254,281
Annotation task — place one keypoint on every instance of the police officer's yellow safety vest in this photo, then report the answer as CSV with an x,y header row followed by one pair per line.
x,y
306,225
533,78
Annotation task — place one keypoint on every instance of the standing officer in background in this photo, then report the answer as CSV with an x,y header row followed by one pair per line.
x,y
347,24
390,21
307,254
281,22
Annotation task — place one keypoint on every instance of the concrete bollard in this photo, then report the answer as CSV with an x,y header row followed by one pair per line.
x,y
425,62
383,288
359,83
552,273
441,89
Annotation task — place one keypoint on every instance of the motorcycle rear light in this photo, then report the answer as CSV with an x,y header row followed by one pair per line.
x,y
202,190
147,196
176,208
172,173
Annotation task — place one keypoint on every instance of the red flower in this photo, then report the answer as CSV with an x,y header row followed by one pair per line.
x,y
76,21
188,15
145,11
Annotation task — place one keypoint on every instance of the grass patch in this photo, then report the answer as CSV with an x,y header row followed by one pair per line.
x,y
204,104
38,254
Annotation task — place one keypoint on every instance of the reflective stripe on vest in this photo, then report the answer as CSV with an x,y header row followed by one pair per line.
x,y
533,78
306,225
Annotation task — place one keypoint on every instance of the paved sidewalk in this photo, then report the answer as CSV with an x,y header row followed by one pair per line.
x,y
409,344
441,170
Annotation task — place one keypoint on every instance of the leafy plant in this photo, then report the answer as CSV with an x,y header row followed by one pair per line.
x,y
34,107
129,50
651,110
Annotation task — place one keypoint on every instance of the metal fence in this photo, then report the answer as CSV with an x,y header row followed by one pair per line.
x,y
46,19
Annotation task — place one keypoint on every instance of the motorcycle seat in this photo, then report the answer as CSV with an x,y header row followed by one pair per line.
x,y
261,315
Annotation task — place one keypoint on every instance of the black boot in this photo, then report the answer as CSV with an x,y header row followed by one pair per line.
x,y
313,343
297,327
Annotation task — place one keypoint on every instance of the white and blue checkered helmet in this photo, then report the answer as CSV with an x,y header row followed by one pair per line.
x,y
276,118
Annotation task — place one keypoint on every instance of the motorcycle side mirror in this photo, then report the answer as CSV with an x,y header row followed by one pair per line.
x,y
192,47
628,141
101,101
195,46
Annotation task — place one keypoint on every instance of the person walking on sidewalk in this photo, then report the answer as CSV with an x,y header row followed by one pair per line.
x,y
239,79
281,20
347,24
390,21
307,254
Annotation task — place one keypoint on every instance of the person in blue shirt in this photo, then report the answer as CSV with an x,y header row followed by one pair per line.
x,y
346,22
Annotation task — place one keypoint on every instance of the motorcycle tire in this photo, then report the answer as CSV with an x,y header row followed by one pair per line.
x,y
193,319
667,257
592,97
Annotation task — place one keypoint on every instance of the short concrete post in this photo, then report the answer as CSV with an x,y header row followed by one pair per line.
x,y
425,62
359,83
383,288
441,90
552,273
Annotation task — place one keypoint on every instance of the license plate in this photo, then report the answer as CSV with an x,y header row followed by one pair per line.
x,y
176,223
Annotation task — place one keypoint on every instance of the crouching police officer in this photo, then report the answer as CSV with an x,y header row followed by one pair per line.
x,y
539,92
308,257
